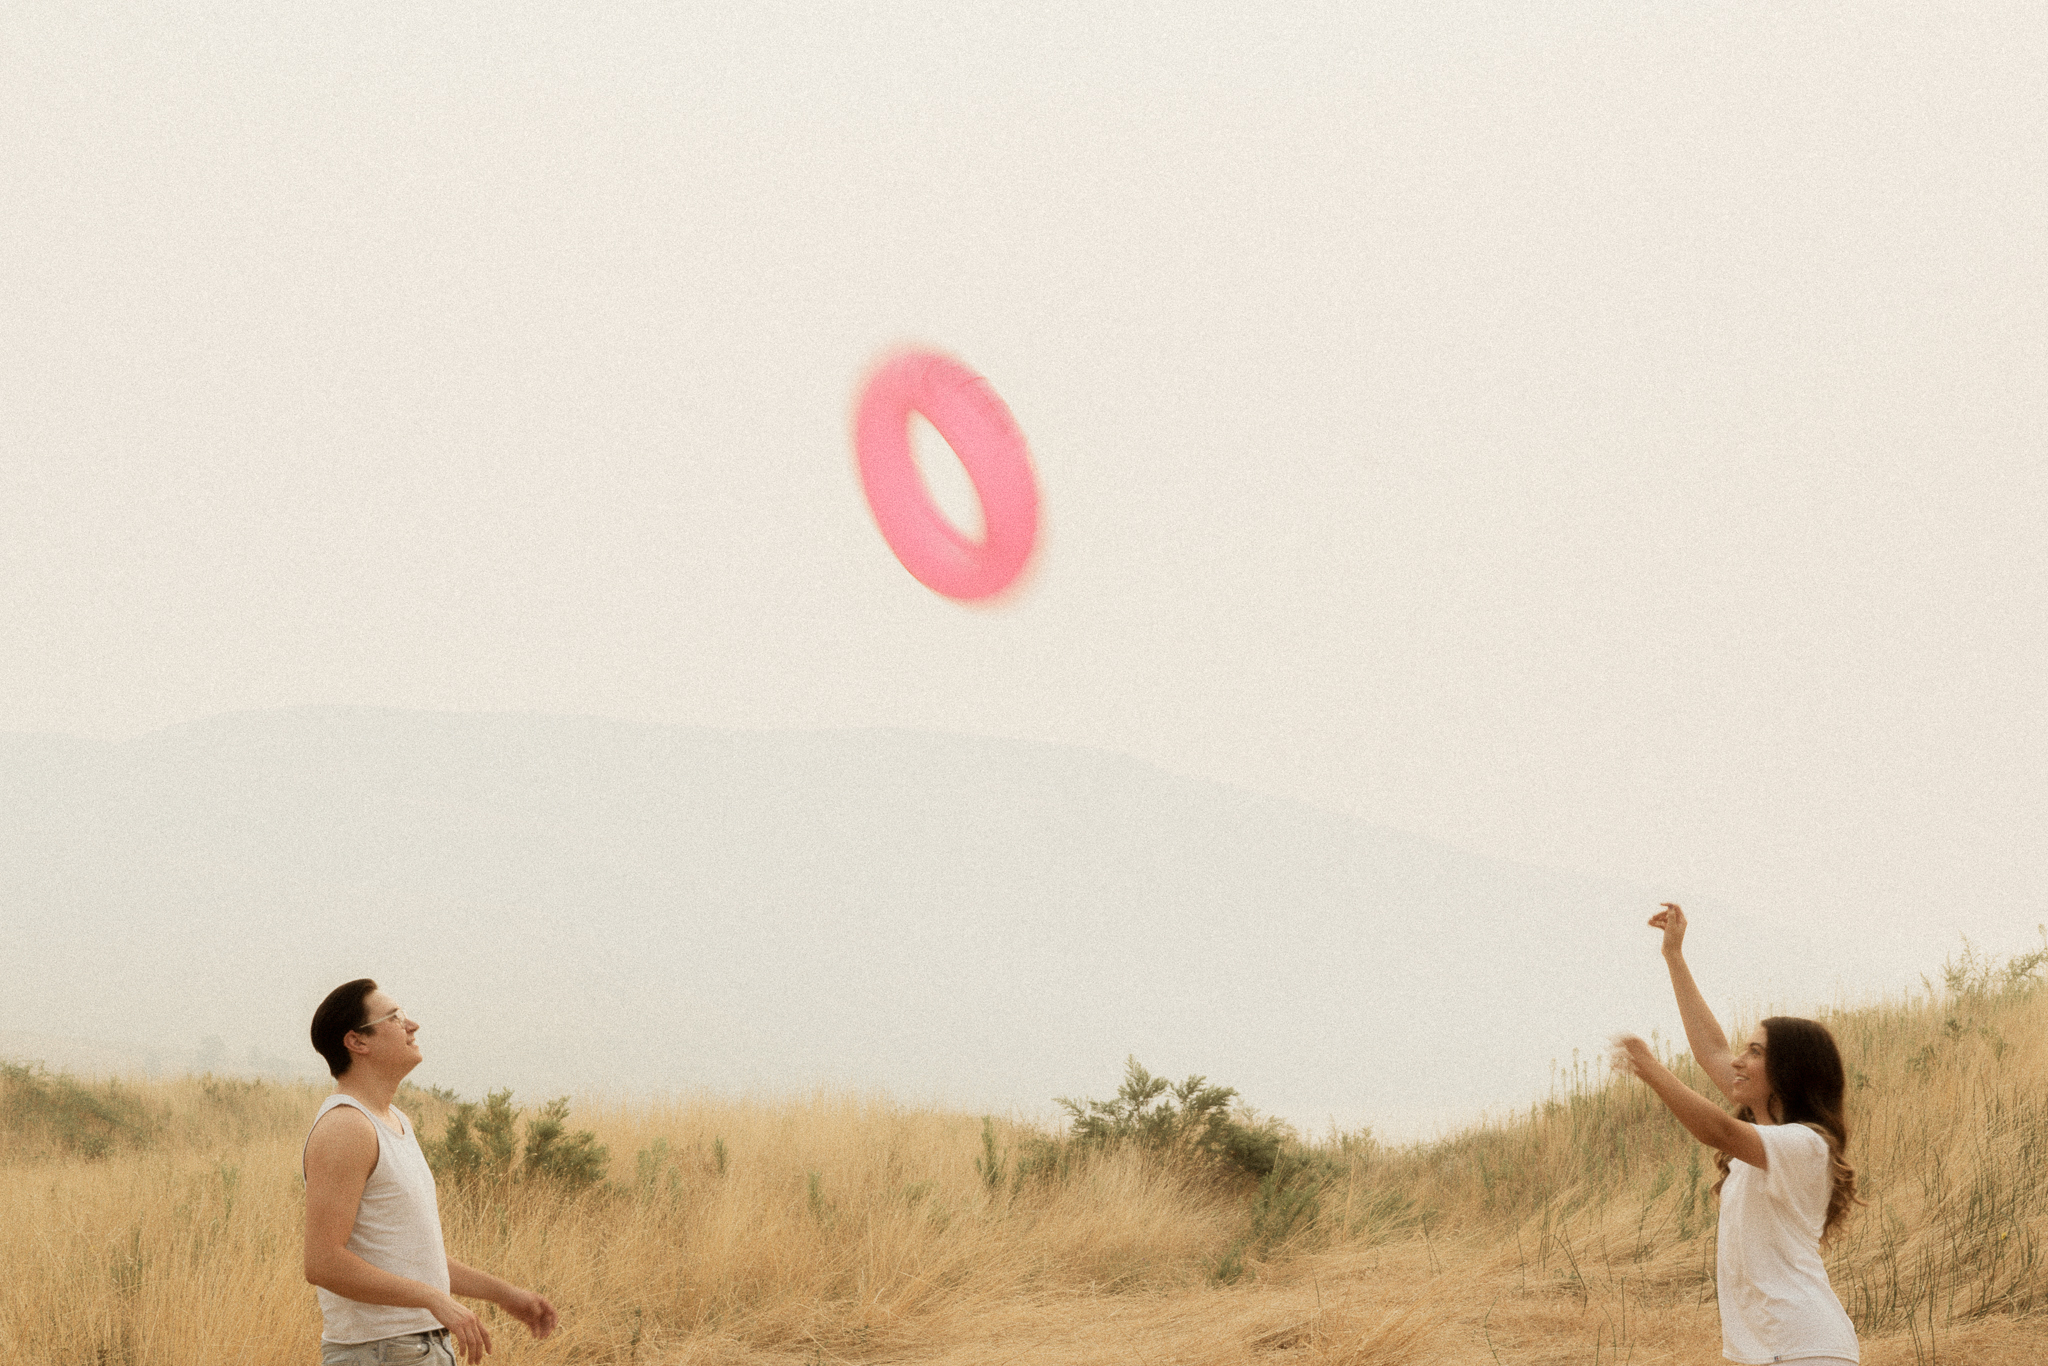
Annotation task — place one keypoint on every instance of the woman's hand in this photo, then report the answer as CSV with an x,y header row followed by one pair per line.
x,y
1703,1119
1630,1055
1671,920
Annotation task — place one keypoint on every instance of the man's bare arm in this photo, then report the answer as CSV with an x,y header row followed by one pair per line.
x,y
530,1309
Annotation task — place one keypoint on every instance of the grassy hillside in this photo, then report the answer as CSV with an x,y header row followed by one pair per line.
x,y
160,1223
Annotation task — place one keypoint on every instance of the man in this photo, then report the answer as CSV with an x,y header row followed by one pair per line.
x,y
373,1227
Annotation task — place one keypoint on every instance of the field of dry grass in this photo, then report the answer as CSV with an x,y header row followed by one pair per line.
x,y
159,1224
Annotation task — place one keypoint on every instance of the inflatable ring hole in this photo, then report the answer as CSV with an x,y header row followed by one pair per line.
x,y
945,479
971,420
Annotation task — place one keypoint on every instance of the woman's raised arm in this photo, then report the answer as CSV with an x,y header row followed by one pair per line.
x,y
1703,1119
1702,1031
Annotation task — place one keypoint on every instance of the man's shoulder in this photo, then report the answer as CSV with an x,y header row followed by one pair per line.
x,y
344,1125
341,1149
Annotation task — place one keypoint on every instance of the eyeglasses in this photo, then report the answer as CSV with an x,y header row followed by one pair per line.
x,y
398,1015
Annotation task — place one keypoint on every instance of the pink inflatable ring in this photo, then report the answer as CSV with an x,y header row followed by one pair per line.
x,y
979,428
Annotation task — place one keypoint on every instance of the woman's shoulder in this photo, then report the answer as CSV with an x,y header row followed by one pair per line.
x,y
1802,1149
1799,1139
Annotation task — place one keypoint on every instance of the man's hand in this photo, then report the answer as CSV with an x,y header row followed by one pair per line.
x,y
532,1310
1671,920
472,1339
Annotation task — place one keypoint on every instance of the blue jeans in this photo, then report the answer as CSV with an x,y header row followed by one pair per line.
x,y
410,1349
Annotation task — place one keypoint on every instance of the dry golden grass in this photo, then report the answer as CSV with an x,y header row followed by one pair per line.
x,y
850,1229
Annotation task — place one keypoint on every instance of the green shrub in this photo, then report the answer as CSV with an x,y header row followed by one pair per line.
x,y
1042,1160
456,1155
648,1165
990,1164
480,1144
494,1129
570,1161
1194,1125
45,1111
1977,977
1190,1121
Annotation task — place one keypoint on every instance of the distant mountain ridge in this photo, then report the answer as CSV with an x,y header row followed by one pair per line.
x,y
573,903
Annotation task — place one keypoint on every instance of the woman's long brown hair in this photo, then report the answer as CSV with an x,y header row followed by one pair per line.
x,y
1804,1069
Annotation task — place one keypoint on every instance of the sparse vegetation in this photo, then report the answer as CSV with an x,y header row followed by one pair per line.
x,y
480,1146
160,1223
43,1112
1195,1129
1192,1124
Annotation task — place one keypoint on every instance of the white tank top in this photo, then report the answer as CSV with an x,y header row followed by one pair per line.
x,y
398,1229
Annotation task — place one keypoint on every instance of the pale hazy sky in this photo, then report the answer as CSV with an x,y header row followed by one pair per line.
x,y
1608,436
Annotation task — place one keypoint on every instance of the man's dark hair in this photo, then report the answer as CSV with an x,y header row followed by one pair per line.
x,y
337,1015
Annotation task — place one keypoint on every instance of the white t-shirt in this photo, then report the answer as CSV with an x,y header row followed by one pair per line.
x,y
1776,1303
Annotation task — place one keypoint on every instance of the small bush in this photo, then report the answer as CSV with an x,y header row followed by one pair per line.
x,y
1188,1121
456,1155
1042,1161
1195,1125
494,1130
570,1161
990,1165
40,1110
814,1196
480,1144
648,1165
1977,977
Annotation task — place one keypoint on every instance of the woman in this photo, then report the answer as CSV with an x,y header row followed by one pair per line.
x,y
1784,1185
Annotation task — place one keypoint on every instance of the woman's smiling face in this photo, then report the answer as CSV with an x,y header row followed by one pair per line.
x,y
1752,1080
